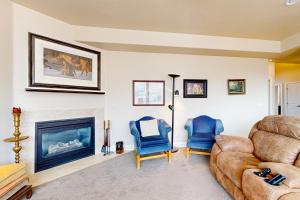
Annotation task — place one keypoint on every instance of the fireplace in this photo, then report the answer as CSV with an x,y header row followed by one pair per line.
x,y
62,141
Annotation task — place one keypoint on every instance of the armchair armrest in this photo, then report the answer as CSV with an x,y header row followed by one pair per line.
x,y
134,131
219,127
164,128
189,127
234,144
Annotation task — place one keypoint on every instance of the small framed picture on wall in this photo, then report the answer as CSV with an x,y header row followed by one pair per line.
x,y
236,86
148,93
195,88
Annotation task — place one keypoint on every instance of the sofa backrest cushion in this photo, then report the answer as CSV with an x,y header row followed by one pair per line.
x,y
272,147
282,125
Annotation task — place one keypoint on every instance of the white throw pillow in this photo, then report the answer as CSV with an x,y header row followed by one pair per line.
x,y
149,128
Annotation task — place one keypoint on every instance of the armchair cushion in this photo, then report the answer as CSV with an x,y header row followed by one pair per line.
x,y
234,144
291,172
153,140
202,137
149,128
150,149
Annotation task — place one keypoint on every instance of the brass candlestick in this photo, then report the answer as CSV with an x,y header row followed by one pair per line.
x,y
17,134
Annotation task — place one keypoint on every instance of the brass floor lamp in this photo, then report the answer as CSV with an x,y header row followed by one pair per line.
x,y
172,108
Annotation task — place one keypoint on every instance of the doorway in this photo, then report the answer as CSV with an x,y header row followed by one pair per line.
x,y
287,89
293,99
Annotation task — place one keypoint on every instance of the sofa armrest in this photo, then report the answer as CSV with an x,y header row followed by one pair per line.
x,y
234,144
255,188
291,172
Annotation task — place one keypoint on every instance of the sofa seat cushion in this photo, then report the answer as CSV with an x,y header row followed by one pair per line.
x,y
153,140
233,164
291,196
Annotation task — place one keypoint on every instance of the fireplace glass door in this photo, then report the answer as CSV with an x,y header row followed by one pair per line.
x,y
63,141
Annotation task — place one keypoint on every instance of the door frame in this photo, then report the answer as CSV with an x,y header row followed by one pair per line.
x,y
285,95
281,97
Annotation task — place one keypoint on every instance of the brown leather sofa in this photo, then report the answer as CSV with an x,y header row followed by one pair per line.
x,y
273,142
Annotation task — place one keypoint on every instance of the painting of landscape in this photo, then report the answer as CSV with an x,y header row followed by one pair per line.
x,y
65,65
236,86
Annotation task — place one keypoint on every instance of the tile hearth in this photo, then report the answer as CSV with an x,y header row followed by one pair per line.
x,y
66,169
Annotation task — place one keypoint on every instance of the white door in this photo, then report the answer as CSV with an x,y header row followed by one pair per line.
x,y
293,99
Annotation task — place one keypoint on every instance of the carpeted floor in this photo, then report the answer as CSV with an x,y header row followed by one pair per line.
x,y
118,179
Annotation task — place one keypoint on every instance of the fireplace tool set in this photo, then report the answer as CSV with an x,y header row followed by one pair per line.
x,y
106,146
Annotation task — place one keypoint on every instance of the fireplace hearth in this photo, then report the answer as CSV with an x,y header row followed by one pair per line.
x,y
62,141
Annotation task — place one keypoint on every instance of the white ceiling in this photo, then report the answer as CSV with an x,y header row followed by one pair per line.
x,y
261,19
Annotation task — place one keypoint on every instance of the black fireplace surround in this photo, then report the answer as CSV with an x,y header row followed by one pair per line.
x,y
62,141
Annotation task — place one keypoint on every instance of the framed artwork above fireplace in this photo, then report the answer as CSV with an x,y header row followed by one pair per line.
x,y
58,65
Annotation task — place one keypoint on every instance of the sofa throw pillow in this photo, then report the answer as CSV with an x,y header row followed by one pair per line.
x,y
291,172
149,128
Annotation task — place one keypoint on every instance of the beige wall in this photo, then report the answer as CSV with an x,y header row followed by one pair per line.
x,y
119,69
39,106
5,80
287,72
238,112
271,89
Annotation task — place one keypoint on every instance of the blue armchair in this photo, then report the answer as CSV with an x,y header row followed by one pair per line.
x,y
201,134
157,144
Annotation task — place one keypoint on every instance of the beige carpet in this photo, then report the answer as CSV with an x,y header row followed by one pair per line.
x,y
118,179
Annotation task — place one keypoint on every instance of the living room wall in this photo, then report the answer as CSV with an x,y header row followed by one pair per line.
x,y
238,112
40,106
118,70
5,77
